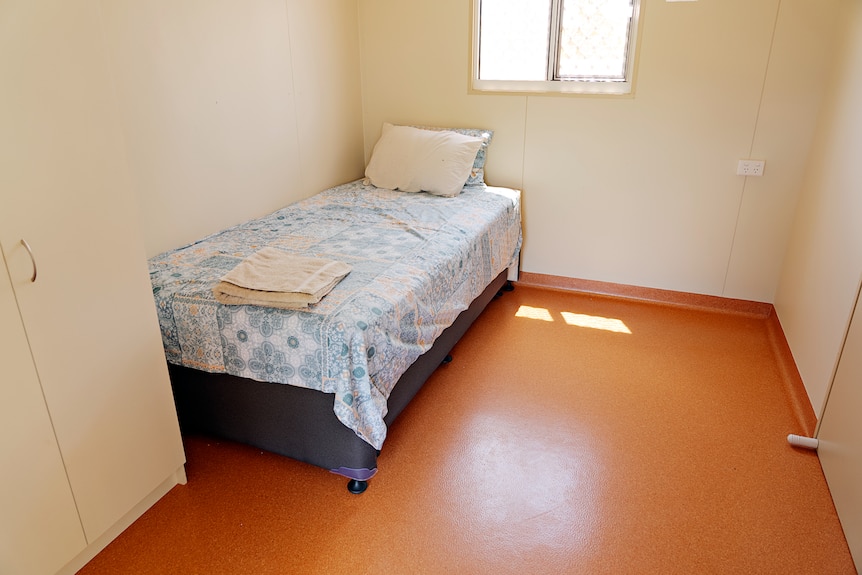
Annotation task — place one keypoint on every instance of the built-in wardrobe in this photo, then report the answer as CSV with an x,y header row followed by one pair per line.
x,y
88,431
840,436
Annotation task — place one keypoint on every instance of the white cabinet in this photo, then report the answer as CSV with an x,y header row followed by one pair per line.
x,y
36,503
840,437
88,427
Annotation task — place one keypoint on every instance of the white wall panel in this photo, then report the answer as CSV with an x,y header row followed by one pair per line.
x,y
325,45
794,89
640,190
824,259
233,109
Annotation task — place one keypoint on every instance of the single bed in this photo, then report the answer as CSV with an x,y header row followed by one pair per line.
x,y
321,385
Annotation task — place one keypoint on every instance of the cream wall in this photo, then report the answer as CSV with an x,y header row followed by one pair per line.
x,y
824,259
639,190
233,108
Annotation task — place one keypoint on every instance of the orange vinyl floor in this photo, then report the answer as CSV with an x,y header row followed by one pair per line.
x,y
571,434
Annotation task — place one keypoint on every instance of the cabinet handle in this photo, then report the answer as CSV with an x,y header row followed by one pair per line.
x,y
32,259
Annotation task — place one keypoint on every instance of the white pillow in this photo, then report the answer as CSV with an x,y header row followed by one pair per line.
x,y
412,160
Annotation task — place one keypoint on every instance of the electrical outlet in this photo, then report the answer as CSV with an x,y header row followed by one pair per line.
x,y
750,168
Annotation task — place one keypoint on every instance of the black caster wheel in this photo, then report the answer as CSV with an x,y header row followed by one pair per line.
x,y
356,487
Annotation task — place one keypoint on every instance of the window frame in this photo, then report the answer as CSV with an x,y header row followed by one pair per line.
x,y
558,86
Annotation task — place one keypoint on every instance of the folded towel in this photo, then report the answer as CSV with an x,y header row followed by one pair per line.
x,y
230,294
274,278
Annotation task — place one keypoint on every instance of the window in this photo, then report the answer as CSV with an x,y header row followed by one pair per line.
x,y
567,46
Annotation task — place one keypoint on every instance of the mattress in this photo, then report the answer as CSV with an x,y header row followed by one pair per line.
x,y
417,260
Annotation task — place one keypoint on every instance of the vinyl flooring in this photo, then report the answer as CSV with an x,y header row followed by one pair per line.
x,y
572,433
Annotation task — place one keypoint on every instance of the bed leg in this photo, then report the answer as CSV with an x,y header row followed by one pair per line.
x,y
356,487
447,359
508,286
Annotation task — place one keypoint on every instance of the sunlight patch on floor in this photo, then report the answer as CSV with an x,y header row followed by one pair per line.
x,y
596,322
575,319
534,313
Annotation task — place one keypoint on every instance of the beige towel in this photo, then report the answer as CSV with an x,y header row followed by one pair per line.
x,y
274,278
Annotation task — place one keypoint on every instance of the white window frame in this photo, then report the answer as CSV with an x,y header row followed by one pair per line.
x,y
568,86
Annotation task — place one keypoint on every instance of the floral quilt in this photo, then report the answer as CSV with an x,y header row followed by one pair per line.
x,y
418,261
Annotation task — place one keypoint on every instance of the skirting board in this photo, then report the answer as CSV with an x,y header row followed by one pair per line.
x,y
659,296
797,395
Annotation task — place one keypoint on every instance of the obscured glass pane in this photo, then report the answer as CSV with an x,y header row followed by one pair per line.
x,y
514,39
594,39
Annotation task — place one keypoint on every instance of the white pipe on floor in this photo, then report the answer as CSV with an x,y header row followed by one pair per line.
x,y
813,442
802,441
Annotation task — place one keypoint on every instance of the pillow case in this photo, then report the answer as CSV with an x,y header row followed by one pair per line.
x,y
413,159
477,175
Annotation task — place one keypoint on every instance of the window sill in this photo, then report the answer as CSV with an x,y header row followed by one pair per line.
x,y
539,88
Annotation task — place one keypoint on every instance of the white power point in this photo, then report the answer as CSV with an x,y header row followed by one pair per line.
x,y
750,168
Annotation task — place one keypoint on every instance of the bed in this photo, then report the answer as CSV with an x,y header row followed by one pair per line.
x,y
322,384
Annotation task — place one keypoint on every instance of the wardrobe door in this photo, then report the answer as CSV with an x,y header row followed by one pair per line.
x,y
840,438
39,526
89,316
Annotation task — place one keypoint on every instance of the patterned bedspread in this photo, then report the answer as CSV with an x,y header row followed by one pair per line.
x,y
418,261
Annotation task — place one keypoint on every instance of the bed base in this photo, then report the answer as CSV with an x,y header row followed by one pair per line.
x,y
299,423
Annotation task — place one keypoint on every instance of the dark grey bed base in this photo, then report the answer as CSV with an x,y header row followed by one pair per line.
x,y
299,422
